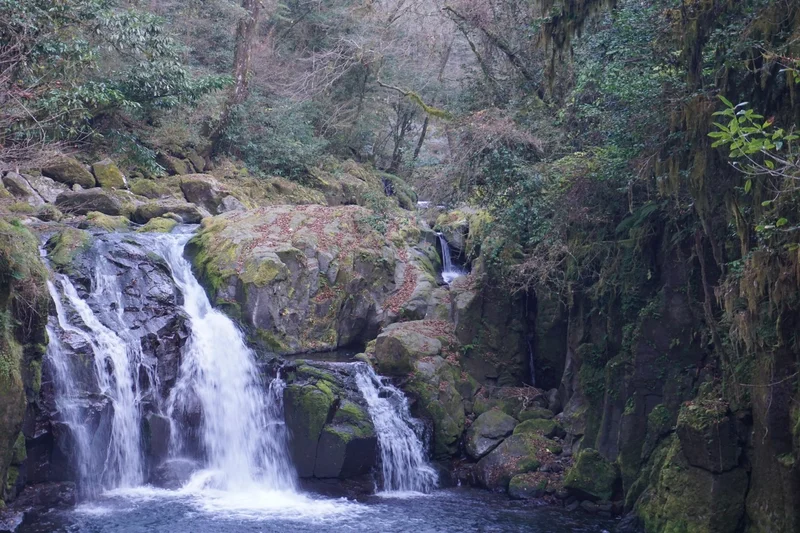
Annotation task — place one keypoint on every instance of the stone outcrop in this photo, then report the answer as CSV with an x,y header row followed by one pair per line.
x,y
307,278
70,171
486,432
108,175
83,202
332,435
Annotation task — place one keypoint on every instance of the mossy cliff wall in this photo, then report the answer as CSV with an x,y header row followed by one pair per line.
x,y
24,304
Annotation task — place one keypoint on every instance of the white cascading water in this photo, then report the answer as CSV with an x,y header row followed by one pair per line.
x,y
114,372
243,430
449,271
405,467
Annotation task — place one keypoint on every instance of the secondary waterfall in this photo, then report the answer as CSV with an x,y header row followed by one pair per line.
x,y
405,467
114,369
449,271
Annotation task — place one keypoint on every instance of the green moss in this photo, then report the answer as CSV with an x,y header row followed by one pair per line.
x,y
148,188
270,340
11,479
65,246
534,413
36,376
20,451
107,222
263,272
591,475
158,225
542,426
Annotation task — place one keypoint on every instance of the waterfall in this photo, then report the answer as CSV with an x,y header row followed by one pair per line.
x,y
243,430
405,467
532,362
114,370
449,271
244,438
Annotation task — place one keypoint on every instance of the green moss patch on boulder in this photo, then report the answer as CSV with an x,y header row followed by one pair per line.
x,y
158,225
592,477
518,454
70,171
306,410
152,189
108,175
65,246
687,498
486,432
107,222
545,427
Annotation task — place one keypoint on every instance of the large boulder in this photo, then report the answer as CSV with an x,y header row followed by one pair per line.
x,y
331,433
487,431
207,192
47,188
189,213
518,454
19,187
348,445
70,171
108,175
592,477
83,202
428,352
400,345
307,278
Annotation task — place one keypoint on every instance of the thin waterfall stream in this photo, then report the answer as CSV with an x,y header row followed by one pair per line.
x,y
404,462
449,271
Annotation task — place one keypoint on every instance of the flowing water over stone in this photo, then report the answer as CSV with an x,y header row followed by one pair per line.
x,y
449,270
114,368
138,356
226,435
243,430
404,461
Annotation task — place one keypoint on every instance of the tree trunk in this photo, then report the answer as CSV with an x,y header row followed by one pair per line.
x,y
242,58
421,140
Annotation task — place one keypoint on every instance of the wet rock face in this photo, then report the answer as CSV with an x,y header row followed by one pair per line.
x,y
332,435
131,291
308,278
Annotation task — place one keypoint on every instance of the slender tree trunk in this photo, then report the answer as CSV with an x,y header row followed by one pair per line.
x,y
421,141
242,59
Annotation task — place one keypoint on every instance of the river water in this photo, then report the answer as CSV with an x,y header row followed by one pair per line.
x,y
445,511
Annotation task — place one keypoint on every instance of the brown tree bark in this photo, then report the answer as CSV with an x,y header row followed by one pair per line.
x,y
242,59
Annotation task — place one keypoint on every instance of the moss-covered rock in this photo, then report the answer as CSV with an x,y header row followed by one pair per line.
x,y
400,345
152,189
107,222
305,278
158,225
546,427
592,477
24,302
486,432
65,246
83,202
306,409
108,175
686,498
189,213
348,444
70,171
518,454
527,486
533,413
